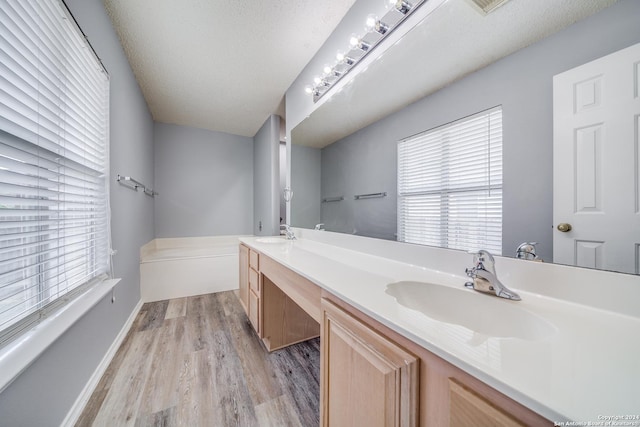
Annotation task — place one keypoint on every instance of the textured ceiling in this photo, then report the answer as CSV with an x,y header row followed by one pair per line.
x,y
221,64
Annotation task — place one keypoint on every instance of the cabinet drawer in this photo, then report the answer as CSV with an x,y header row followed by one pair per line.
x,y
254,260
254,281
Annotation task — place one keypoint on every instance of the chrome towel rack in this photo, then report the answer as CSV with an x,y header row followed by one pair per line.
x,y
332,199
370,195
134,184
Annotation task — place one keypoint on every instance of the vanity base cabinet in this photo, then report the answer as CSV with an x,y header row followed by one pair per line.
x,y
284,323
360,357
290,306
366,379
250,289
282,306
370,375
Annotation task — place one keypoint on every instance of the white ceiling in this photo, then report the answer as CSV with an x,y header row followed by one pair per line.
x,y
222,65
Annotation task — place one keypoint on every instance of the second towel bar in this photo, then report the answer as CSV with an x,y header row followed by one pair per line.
x,y
370,195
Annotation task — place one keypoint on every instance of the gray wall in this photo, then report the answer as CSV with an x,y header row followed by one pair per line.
x,y
266,178
205,181
362,163
45,392
522,83
305,179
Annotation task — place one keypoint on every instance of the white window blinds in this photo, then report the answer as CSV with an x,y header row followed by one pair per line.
x,y
450,185
53,161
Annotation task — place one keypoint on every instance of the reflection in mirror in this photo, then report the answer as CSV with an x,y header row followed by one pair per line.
x,y
365,160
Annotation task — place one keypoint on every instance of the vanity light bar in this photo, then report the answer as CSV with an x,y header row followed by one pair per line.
x,y
376,29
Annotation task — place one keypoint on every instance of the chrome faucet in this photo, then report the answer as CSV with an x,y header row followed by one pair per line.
x,y
319,227
485,279
527,250
288,232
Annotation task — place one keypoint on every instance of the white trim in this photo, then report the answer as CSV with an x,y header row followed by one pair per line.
x,y
76,410
18,354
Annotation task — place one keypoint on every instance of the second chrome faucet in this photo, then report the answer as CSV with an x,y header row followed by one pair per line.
x,y
288,232
484,278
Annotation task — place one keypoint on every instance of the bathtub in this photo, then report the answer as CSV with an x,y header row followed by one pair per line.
x,y
182,267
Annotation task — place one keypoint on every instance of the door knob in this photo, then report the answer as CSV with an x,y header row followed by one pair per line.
x,y
564,227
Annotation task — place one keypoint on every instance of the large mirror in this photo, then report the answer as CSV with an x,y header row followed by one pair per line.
x,y
444,69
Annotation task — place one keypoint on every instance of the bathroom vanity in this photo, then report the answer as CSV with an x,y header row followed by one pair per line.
x,y
424,350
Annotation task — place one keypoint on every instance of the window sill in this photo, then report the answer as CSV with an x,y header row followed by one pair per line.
x,y
17,355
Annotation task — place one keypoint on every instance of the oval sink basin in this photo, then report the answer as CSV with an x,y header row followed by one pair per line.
x,y
271,240
484,314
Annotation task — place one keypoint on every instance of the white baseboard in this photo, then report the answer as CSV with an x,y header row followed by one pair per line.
x,y
77,408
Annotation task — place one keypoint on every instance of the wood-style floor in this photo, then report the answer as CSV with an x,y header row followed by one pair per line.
x,y
197,362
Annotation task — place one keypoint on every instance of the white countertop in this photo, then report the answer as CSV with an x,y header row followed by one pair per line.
x,y
585,366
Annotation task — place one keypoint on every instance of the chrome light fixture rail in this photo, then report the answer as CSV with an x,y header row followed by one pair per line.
x,y
376,30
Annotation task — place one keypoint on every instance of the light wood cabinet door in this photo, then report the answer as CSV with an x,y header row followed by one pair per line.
x,y
468,408
254,281
244,277
366,379
250,286
254,311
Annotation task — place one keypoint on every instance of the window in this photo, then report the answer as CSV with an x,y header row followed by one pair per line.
x,y
450,185
54,103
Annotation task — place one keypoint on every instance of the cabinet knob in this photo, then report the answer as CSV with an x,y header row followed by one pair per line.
x,y
564,227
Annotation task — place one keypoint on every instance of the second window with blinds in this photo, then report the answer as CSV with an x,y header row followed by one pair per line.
x,y
450,184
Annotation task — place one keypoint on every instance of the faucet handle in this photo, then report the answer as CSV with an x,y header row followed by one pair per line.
x,y
483,259
482,255
289,232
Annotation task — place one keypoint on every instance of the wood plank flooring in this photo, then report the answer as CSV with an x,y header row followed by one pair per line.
x,y
197,362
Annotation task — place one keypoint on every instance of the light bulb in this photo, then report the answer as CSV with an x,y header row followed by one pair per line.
x,y
344,59
327,69
317,80
357,43
401,6
374,24
370,23
308,89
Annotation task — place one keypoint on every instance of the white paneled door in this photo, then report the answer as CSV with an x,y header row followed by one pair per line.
x,y
596,194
